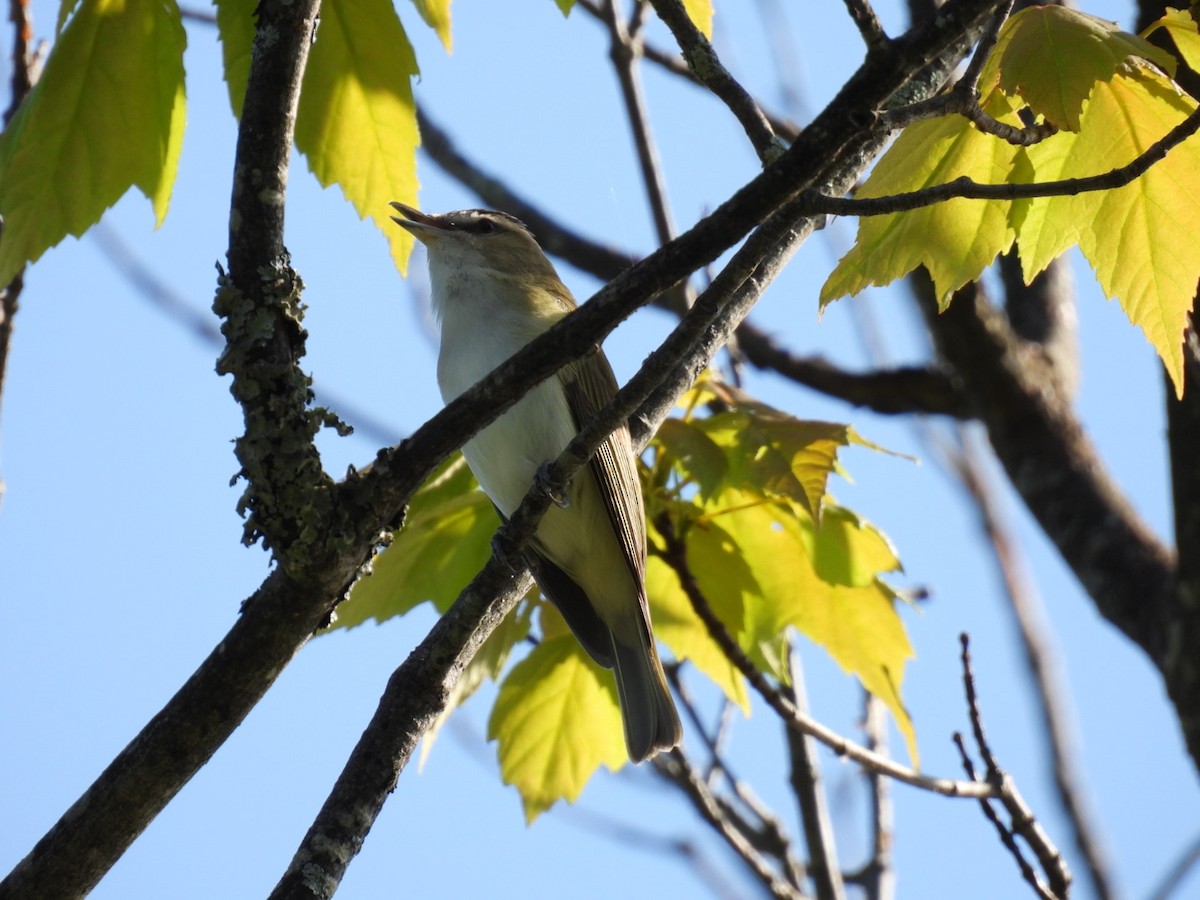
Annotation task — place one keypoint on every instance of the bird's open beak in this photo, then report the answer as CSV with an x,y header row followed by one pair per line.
x,y
422,226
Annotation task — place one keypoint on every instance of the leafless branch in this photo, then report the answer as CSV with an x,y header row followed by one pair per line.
x,y
805,779
878,878
625,49
705,65
677,768
1025,607
1022,822
863,16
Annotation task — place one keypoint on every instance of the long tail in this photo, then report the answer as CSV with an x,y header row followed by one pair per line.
x,y
651,722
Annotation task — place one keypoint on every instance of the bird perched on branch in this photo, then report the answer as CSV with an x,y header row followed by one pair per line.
x,y
494,291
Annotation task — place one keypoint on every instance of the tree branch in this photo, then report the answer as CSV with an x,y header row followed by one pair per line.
x,y
1024,605
285,612
805,779
1058,473
705,65
970,189
676,767
1022,821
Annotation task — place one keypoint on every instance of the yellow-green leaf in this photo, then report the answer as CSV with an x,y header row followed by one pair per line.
x,y
850,551
677,625
701,14
954,240
1139,239
565,5
693,453
107,114
776,455
235,25
857,625
1181,25
445,540
1052,57
436,14
557,721
357,123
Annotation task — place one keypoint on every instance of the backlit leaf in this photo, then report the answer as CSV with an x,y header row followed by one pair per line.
x,y
1181,25
954,240
556,721
436,14
856,624
1052,56
357,124
1139,239
107,114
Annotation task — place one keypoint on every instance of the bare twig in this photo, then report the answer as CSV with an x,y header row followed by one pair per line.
x,y
1022,821
766,832
704,64
1025,607
805,779
675,554
863,16
677,768
624,52
878,878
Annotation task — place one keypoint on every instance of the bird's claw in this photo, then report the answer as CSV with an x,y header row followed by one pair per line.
x,y
545,484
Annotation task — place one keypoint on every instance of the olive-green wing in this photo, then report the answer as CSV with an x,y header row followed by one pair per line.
x,y
590,384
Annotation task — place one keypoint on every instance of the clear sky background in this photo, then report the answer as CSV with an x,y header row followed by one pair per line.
x,y
121,567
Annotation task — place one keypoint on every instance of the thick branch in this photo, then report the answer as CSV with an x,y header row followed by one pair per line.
x,y
369,501
891,391
385,747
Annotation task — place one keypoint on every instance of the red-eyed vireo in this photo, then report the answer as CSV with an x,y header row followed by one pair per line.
x,y
494,291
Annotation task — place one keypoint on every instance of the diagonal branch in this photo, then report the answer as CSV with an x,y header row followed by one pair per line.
x,y
419,690
286,610
890,391
704,64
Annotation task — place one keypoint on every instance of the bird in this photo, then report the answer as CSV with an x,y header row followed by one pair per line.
x,y
493,291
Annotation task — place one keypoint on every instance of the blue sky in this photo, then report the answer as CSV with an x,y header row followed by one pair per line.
x,y
121,567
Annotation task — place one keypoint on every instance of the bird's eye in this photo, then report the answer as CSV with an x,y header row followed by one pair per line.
x,y
487,226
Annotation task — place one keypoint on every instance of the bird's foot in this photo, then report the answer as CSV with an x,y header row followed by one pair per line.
x,y
545,484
